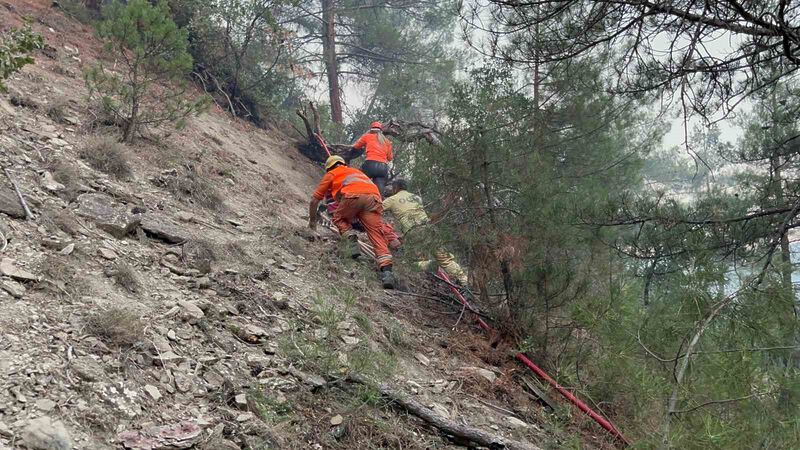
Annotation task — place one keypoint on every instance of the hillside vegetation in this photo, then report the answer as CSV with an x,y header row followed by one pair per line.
x,y
163,286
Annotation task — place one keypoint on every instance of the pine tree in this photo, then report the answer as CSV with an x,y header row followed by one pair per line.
x,y
150,51
369,42
15,51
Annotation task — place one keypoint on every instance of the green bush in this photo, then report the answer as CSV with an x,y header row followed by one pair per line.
x,y
151,90
15,51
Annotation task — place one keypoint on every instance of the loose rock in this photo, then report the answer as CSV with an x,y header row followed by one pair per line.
x,y
109,215
177,436
241,401
15,289
50,184
191,312
161,345
106,253
45,405
8,268
513,422
45,434
350,340
487,374
161,227
153,392
9,204
87,369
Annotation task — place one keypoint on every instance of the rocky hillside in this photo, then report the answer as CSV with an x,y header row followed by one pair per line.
x,y
167,295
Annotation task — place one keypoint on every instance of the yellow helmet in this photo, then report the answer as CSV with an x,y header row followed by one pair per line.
x,y
332,160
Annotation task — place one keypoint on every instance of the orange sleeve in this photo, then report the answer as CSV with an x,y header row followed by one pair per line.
x,y
361,143
324,186
388,150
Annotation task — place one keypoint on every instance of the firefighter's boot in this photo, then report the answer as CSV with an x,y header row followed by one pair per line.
x,y
355,249
387,277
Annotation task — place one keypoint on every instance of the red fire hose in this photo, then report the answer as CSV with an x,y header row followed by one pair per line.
x,y
602,421
322,143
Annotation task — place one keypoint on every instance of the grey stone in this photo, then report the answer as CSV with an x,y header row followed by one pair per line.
x,y
185,383
45,434
161,344
422,359
153,392
310,379
87,369
12,287
191,312
45,405
109,215
513,422
177,436
241,401
9,204
106,253
161,227
5,431
9,269
184,216
59,142
487,374
350,340
168,358
68,249
50,184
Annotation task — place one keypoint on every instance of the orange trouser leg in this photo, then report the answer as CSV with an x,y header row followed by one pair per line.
x,y
371,216
369,209
347,210
372,222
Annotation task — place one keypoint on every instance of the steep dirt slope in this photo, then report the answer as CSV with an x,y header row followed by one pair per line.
x,y
188,306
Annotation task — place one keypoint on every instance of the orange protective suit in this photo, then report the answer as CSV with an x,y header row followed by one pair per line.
x,y
358,198
373,149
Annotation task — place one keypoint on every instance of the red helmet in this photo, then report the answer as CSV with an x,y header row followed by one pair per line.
x,y
376,125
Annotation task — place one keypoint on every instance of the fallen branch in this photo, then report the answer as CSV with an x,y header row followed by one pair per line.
x,y
400,130
448,427
28,213
721,402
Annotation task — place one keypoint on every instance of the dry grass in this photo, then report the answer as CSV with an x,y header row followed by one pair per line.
x,y
125,276
105,154
57,109
199,255
191,187
68,175
60,220
116,326
22,100
58,272
368,422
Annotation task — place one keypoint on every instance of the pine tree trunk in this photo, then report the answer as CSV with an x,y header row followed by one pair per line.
x,y
329,55
786,256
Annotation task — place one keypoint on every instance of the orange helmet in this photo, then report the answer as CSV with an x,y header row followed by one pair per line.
x,y
376,125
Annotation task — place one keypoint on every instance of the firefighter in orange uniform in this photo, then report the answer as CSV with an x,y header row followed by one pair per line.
x,y
358,197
